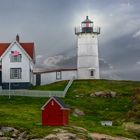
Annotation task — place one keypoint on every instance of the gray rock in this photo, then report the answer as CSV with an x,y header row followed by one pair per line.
x,y
39,139
14,135
5,138
1,134
80,129
22,135
113,94
77,112
106,94
7,129
58,130
92,95
52,137
66,136
99,93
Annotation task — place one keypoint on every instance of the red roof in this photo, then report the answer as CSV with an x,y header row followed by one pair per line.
x,y
3,47
28,47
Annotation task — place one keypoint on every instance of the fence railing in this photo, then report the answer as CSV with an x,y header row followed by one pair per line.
x,y
31,93
36,93
68,86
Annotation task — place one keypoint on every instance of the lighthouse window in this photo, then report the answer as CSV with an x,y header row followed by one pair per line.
x,y
91,73
58,75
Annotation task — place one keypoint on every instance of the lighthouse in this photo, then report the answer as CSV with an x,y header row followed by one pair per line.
x,y
87,50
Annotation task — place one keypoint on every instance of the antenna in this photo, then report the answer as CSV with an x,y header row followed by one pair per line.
x,y
87,11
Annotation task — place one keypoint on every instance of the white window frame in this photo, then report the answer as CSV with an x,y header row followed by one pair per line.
x,y
15,73
92,72
58,75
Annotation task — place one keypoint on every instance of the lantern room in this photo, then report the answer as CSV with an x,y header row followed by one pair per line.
x,y
87,25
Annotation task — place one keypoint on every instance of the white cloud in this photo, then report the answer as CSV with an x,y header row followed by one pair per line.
x,y
54,60
39,56
138,63
137,34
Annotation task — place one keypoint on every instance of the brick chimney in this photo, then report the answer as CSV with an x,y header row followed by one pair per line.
x,y
17,38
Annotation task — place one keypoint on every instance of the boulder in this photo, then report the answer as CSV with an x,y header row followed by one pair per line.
x,y
77,112
106,94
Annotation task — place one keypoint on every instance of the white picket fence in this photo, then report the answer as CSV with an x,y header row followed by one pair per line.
x,y
36,93
31,93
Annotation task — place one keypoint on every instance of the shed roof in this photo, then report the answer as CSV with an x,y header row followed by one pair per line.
x,y
58,100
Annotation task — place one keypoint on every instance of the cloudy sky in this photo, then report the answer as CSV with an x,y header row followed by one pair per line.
x,y
50,25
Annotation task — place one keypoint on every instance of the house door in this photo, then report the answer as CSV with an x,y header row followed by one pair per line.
x,y
38,79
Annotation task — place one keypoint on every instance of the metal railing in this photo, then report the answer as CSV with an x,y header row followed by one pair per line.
x,y
96,30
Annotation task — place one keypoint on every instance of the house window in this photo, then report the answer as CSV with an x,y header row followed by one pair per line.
x,y
58,75
15,73
16,58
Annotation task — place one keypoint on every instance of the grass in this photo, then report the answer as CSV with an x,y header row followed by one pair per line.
x,y
25,112
58,86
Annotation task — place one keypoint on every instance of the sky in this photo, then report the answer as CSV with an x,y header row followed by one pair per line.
x,y
50,25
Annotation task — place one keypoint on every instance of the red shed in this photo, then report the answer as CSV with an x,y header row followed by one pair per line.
x,y
55,112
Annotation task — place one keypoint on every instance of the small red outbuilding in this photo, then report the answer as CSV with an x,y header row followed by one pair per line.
x,y
55,112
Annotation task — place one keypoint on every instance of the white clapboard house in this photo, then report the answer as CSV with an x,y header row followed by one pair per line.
x,y
16,64
87,57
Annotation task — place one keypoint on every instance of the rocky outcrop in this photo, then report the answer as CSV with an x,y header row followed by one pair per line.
x,y
70,133
10,133
105,94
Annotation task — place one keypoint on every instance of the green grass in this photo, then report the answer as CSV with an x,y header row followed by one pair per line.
x,y
58,86
25,112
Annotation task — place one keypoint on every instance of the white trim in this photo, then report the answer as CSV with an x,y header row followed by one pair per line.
x,y
91,68
43,107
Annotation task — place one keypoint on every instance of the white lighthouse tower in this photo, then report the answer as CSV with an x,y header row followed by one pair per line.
x,y
87,50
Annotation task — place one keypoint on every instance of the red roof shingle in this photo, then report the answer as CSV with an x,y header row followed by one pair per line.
x,y
28,47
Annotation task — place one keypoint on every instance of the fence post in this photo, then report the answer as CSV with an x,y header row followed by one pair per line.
x,y
9,89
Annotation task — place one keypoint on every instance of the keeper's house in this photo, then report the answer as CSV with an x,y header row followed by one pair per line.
x,y
16,64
